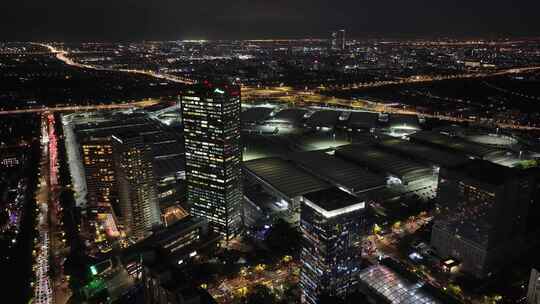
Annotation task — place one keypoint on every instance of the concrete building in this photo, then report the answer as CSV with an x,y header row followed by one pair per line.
x,y
136,184
165,255
533,292
483,211
338,40
172,286
97,159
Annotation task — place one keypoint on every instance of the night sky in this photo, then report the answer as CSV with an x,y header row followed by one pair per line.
x,y
77,20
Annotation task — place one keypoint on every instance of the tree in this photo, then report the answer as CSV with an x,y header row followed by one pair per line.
x,y
356,298
284,239
291,294
352,298
260,294
326,298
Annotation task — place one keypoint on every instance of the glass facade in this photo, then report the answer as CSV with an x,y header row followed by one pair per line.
x,y
393,287
330,262
211,116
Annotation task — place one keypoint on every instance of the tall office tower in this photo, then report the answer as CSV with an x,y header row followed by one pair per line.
x,y
342,42
533,291
483,212
97,159
333,41
211,115
338,40
331,222
136,184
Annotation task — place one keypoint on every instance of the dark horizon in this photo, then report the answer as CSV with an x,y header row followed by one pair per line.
x,y
373,37
136,20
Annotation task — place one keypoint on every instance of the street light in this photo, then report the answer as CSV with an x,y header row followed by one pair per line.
x,y
93,270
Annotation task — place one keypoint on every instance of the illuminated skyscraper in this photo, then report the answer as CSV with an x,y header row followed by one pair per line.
x,y
97,159
211,116
331,222
338,40
533,292
136,184
342,42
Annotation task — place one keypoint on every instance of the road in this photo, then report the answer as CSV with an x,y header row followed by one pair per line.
x,y
296,96
431,78
64,57
62,293
51,287
228,289
127,105
43,291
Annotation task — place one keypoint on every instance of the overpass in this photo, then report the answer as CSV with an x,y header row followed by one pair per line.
x,y
428,78
285,94
64,57
127,105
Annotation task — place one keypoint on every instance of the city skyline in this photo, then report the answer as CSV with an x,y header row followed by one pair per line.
x,y
257,152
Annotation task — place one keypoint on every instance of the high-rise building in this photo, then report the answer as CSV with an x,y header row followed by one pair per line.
x,y
333,41
338,40
136,184
97,159
211,116
331,222
342,42
483,212
533,292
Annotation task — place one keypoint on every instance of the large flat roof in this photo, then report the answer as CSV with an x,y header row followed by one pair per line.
x,y
169,149
395,288
454,143
338,171
167,166
422,153
255,114
333,202
292,116
381,161
364,120
403,120
284,176
323,118
488,172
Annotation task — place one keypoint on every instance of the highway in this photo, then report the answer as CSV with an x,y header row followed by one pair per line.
x,y
292,95
126,105
63,56
43,290
298,97
428,78
50,248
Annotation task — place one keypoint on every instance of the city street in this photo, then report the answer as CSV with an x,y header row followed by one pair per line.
x,y
43,291
296,96
50,245
228,289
